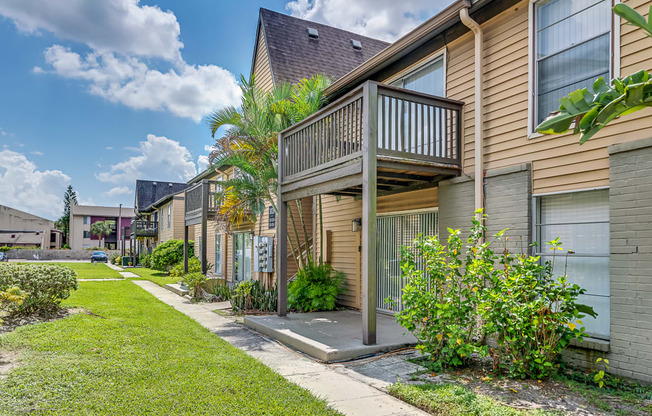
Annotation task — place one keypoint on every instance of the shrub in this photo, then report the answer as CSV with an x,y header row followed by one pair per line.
x,y
194,281
166,255
223,292
146,260
65,247
441,296
532,314
10,300
315,288
450,304
252,296
194,266
45,285
115,258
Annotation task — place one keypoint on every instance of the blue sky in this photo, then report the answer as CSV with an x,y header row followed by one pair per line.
x,y
104,92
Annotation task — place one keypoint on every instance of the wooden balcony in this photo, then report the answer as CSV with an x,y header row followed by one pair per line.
x,y
413,139
200,202
143,228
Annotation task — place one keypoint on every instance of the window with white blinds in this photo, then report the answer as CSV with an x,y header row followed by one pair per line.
x,y
572,48
581,221
218,253
428,79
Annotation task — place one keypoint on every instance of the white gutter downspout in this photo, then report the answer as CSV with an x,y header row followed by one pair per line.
x,y
478,119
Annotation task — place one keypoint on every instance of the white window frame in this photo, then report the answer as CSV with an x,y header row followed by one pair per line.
x,y
532,79
536,237
440,54
218,250
87,220
169,215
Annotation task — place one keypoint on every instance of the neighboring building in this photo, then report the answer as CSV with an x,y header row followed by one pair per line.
x,y
411,161
159,208
287,49
83,216
22,229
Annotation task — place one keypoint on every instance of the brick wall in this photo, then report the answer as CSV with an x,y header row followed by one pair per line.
x,y
455,205
508,204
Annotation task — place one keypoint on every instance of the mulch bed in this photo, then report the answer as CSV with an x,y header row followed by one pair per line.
x,y
11,323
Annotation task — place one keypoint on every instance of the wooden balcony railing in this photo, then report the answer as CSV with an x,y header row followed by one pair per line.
x,y
143,228
408,125
200,197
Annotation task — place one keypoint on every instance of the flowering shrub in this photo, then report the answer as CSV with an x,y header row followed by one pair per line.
x,y
10,300
451,303
45,286
166,255
442,295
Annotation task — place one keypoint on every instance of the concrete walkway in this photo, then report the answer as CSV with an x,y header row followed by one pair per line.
x,y
114,267
344,390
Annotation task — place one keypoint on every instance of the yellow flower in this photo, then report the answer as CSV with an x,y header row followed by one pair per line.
x,y
459,341
438,337
475,289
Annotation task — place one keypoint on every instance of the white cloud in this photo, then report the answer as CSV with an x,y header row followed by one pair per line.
x,y
118,191
381,19
187,91
109,147
37,153
122,36
202,163
26,188
121,26
159,158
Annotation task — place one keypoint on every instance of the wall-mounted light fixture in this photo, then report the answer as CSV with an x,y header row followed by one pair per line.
x,y
356,225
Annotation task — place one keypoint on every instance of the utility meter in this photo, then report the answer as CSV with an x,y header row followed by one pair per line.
x,y
263,254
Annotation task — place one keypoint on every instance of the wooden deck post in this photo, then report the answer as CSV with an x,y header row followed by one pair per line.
x,y
185,248
204,224
369,193
281,237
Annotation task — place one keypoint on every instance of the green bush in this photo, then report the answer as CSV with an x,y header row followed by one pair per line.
x,y
194,266
146,260
115,258
315,288
7,248
223,292
65,247
166,255
194,281
45,285
451,303
252,296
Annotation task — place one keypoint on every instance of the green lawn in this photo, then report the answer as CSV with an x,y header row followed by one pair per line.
x,y
89,270
160,278
138,356
455,400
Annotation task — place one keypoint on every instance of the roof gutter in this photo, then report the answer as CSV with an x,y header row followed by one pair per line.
x,y
477,114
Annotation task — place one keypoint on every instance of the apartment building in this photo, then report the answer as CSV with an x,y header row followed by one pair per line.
x,y
83,216
22,229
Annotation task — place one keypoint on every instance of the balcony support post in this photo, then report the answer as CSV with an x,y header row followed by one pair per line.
x,y
281,237
204,224
369,194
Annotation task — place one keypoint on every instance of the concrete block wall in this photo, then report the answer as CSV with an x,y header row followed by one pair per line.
x,y
456,206
39,254
508,204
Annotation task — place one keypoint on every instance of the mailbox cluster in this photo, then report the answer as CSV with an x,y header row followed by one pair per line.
x,y
263,254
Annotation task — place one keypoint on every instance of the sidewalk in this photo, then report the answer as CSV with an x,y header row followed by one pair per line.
x,y
349,395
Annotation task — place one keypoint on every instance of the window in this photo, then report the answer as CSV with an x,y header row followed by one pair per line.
x,y
572,49
428,79
242,244
218,253
87,234
169,215
581,220
87,220
198,247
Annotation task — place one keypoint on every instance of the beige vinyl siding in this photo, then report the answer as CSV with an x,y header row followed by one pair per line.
x,y
558,162
344,249
178,213
262,70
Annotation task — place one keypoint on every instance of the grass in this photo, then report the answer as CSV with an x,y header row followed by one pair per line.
x,y
138,356
449,399
158,277
89,270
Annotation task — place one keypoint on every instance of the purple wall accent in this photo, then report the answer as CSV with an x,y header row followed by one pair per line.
x,y
93,221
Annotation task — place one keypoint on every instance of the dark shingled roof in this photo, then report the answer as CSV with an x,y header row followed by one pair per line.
x,y
149,192
294,55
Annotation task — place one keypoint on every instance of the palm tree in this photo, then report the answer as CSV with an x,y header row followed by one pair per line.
x,y
101,229
250,144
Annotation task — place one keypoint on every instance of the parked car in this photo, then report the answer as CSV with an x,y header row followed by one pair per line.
x,y
99,256
3,257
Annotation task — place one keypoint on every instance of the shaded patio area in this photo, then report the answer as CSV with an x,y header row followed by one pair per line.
x,y
331,336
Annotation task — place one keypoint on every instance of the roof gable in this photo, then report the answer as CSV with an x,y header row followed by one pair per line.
x,y
149,192
293,55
